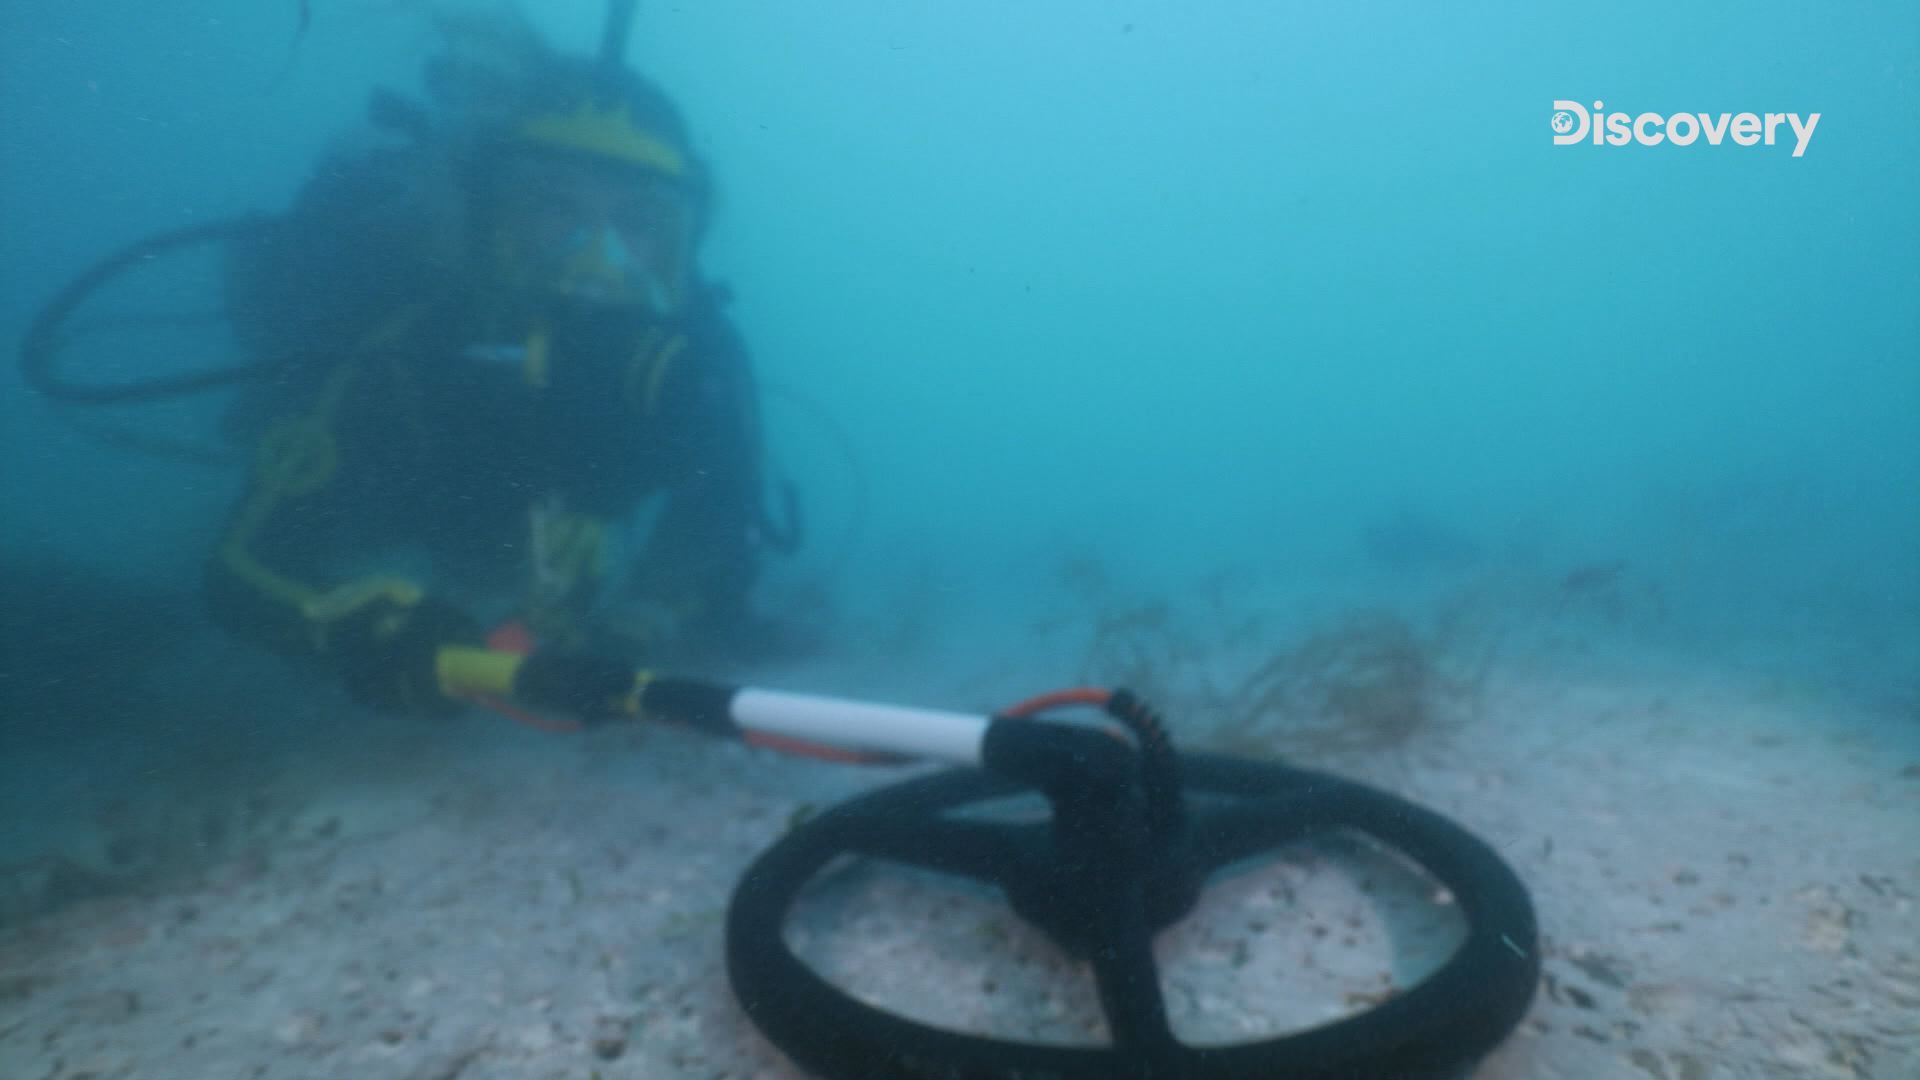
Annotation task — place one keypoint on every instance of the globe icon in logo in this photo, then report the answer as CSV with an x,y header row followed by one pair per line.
x,y
1562,122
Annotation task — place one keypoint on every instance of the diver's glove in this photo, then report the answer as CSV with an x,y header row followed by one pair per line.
x,y
591,688
386,653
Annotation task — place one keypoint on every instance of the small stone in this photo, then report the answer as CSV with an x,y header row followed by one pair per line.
x,y
299,1028
609,1044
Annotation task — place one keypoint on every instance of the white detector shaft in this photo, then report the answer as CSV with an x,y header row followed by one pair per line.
x,y
931,734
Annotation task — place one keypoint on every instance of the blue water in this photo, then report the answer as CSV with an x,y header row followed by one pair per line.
x,y
1268,270
1300,291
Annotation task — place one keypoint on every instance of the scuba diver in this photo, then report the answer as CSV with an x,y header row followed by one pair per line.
x,y
485,340
493,349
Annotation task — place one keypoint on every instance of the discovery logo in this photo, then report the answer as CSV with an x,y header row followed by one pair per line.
x,y
1573,123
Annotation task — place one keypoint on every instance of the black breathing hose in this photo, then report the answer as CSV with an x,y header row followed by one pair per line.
x,y
40,349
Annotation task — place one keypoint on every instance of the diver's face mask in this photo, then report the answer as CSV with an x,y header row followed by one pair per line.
x,y
583,319
578,233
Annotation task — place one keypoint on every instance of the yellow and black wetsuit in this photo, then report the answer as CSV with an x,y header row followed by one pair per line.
x,y
506,478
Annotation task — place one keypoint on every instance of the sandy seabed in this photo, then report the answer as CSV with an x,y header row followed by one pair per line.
x,y
1725,863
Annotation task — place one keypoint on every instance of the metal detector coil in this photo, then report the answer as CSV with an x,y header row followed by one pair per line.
x,y
1125,853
